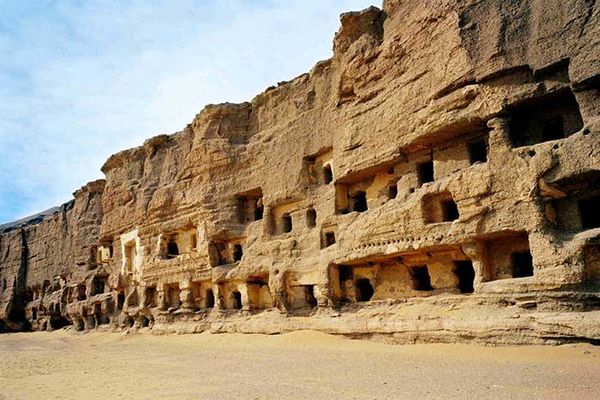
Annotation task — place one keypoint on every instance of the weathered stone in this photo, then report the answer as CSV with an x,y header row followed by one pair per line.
x,y
438,179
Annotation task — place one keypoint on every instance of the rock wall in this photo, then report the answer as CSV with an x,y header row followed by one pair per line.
x,y
437,179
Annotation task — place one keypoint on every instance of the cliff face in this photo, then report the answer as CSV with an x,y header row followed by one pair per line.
x,y
40,260
434,179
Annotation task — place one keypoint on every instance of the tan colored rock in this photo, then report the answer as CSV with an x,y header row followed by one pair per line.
x,y
437,179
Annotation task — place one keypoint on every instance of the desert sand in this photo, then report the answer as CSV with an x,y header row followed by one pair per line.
x,y
299,365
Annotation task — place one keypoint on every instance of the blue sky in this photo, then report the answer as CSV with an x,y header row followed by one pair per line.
x,y
80,80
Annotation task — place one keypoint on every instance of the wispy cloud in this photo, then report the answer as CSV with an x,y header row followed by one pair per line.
x,y
82,80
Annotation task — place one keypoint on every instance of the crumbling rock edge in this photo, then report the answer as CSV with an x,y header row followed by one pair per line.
x,y
436,180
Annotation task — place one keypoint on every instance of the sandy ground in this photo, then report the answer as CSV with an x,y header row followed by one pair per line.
x,y
300,365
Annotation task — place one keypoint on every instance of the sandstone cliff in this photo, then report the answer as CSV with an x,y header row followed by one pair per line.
x,y
437,179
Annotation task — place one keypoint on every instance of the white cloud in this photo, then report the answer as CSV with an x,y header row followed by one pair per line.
x,y
82,80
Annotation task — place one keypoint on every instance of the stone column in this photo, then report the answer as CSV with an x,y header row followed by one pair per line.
x,y
499,140
477,252
185,295
219,297
243,289
322,290
161,299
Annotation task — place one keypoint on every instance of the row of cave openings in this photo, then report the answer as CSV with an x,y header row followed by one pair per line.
x,y
69,294
408,275
420,273
551,117
46,309
425,273
253,294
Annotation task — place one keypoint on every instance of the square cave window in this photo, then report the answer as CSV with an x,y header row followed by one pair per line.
x,y
420,278
238,252
286,223
250,205
345,273
553,128
439,207
81,292
311,218
150,297
551,117
236,300
466,275
449,210
309,296
589,211
328,239
327,174
358,201
521,264
425,172
98,284
477,151
172,249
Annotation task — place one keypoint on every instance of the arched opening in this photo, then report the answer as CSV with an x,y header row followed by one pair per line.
x,y
465,274
210,299
364,290
120,300
311,218
392,191
33,314
238,252
236,300
78,323
145,322
58,322
327,174
172,249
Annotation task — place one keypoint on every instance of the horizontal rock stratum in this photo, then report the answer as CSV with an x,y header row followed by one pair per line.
x,y
437,179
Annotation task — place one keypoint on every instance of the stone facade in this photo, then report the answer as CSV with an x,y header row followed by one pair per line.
x,y
437,179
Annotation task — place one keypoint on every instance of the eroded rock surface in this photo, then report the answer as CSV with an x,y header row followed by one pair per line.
x,y
437,179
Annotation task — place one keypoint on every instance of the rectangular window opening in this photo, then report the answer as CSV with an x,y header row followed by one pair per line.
x,y
425,172
477,151
521,264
